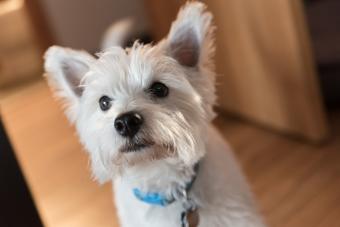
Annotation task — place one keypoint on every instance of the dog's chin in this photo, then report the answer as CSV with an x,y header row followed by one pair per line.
x,y
133,153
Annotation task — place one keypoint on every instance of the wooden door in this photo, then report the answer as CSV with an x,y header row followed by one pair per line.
x,y
264,62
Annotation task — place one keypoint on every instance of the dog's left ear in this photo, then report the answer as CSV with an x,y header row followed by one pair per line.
x,y
190,40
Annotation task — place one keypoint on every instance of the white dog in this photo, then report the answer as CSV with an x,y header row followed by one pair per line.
x,y
144,116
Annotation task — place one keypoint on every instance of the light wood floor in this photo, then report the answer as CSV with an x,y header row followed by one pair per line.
x,y
296,184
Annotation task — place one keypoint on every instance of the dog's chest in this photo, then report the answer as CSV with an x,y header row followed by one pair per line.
x,y
133,212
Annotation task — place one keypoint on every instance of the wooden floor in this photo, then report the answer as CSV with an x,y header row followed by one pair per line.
x,y
297,184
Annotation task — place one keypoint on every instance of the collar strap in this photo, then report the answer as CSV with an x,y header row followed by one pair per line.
x,y
155,198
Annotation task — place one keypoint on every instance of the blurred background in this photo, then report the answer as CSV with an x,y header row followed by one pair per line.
x,y
278,66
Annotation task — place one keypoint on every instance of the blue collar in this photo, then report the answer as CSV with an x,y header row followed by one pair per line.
x,y
155,198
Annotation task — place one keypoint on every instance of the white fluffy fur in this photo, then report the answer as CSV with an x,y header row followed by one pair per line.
x,y
178,125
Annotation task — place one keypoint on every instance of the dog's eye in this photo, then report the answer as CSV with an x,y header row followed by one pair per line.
x,y
159,90
105,103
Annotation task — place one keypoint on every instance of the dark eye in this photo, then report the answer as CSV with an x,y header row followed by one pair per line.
x,y
159,90
105,103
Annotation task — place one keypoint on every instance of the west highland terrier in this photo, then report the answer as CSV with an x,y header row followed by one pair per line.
x,y
144,116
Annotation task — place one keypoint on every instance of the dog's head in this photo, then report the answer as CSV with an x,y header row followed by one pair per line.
x,y
144,103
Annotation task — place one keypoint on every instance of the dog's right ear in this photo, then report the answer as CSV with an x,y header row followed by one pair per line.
x,y
65,69
191,38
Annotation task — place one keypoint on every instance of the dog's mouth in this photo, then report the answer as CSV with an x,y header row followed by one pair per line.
x,y
135,146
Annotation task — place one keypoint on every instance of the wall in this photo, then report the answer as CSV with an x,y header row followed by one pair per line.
x,y
80,23
20,59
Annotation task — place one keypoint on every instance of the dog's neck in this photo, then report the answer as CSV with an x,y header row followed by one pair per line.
x,y
163,176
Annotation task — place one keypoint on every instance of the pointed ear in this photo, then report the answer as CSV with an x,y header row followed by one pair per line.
x,y
65,69
190,40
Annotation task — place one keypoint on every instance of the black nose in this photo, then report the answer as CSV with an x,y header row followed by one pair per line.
x,y
128,124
